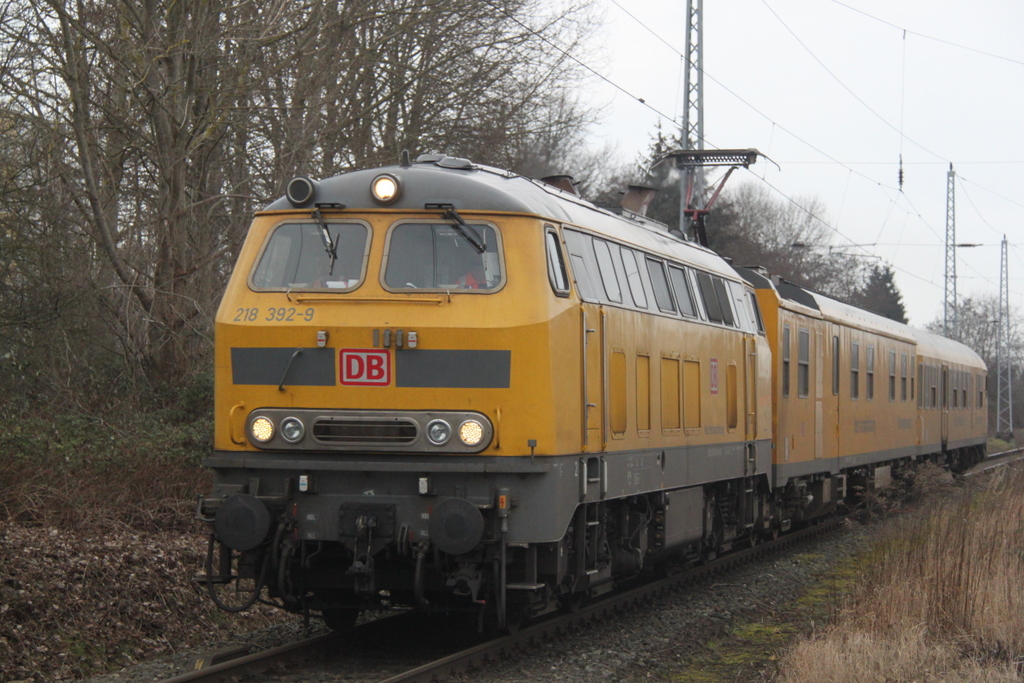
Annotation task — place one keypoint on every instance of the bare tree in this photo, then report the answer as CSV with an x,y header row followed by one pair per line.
x,y
155,128
979,329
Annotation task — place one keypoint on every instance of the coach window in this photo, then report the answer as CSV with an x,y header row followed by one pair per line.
x,y
660,284
607,269
803,360
892,375
965,388
716,298
296,257
920,383
556,264
723,301
636,284
756,310
682,289
913,359
870,387
981,391
442,257
741,308
785,361
945,387
583,263
854,370
835,365
709,297
903,377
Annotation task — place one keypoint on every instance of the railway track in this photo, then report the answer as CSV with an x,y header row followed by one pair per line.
x,y
996,460
434,651
369,652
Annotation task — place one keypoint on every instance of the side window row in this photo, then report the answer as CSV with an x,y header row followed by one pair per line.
x,y
606,272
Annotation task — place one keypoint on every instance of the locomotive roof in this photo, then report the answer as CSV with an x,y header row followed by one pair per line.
x,y
435,180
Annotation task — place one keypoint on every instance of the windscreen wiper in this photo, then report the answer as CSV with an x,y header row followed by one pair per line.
x,y
330,245
464,228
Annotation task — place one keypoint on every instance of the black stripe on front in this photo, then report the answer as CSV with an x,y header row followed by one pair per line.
x,y
314,367
453,369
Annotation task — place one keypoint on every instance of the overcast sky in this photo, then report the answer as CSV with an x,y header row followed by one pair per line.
x,y
834,91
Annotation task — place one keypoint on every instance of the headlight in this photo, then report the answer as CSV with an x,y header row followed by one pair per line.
x,y
292,429
438,432
471,432
385,188
262,429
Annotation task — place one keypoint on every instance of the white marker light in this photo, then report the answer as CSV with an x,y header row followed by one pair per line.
x,y
385,188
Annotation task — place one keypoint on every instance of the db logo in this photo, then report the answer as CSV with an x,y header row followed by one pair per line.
x,y
365,367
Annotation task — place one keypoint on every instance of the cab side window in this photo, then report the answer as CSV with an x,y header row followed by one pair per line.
x,y
556,264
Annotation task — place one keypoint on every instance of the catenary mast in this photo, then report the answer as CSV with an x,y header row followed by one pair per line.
x,y
1004,389
692,187
950,326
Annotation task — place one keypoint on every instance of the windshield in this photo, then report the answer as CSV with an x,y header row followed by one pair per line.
x,y
439,256
295,257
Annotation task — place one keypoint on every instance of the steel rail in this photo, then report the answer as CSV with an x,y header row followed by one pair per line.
x,y
1006,459
607,606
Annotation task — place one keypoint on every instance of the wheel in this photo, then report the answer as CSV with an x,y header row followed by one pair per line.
x,y
340,619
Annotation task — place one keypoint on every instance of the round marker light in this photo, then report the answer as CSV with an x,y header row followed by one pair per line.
x,y
438,432
471,432
262,429
292,429
385,188
301,190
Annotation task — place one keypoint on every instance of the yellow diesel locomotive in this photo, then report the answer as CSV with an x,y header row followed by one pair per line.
x,y
451,387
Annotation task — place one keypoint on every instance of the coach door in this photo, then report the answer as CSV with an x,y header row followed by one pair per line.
x,y
945,405
593,343
830,426
819,394
750,393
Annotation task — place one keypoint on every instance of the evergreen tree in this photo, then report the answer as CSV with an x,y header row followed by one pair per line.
x,y
880,295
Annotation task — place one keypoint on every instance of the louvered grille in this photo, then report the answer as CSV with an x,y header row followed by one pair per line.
x,y
365,431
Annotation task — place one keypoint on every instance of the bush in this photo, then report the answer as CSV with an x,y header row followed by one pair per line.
x,y
134,461
943,599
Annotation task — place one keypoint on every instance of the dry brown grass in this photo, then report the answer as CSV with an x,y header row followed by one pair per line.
x,y
942,597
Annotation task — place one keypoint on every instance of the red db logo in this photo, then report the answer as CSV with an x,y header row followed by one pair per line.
x,y
365,367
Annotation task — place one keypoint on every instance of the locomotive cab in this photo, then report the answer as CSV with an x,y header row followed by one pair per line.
x,y
363,355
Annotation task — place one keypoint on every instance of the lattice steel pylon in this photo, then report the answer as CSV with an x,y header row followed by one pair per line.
x,y
1004,389
950,326
691,194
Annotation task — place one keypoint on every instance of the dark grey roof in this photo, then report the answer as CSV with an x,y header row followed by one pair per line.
x,y
467,189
